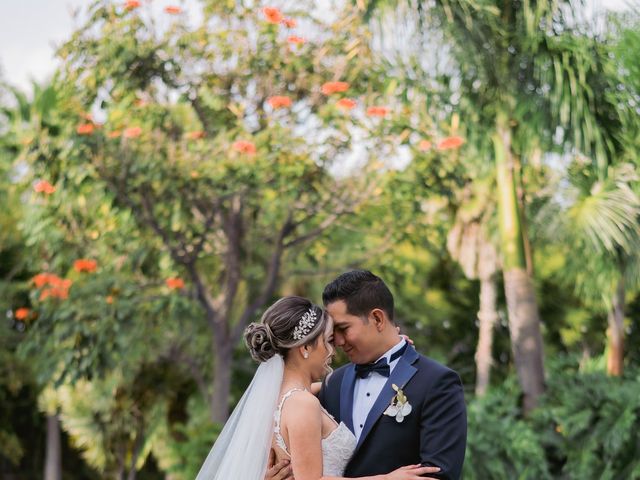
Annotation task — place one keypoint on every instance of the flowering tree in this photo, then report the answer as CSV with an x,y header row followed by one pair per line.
x,y
220,154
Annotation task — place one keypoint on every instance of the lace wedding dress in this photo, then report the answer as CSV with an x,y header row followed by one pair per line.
x,y
337,447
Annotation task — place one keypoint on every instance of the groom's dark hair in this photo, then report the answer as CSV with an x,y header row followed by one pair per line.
x,y
362,291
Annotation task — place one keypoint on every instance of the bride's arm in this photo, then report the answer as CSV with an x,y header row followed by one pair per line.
x,y
302,420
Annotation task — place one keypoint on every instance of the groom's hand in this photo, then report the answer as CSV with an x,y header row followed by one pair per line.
x,y
280,471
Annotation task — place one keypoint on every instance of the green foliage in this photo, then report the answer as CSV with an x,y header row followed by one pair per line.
x,y
590,423
162,191
182,451
585,427
127,360
501,444
13,375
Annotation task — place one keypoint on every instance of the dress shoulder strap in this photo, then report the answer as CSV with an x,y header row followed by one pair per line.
x,y
276,416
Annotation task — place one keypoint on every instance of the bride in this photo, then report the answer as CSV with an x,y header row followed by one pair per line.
x,y
278,416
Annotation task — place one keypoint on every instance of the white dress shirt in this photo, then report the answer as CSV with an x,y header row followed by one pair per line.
x,y
366,391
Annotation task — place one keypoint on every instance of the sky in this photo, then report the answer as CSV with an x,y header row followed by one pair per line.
x,y
31,29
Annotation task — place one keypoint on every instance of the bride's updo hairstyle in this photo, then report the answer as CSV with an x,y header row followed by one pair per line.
x,y
285,325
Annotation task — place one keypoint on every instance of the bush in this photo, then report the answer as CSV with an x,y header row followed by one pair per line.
x,y
588,424
501,444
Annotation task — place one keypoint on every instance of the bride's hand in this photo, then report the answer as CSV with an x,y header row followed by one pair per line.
x,y
411,472
315,388
406,337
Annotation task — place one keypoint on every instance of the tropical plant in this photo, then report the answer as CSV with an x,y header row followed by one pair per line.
x,y
525,68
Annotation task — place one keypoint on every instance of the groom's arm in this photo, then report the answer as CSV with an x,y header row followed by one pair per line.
x,y
443,427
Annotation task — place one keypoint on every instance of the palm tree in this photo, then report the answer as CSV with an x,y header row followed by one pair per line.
x,y
599,219
601,209
526,66
470,245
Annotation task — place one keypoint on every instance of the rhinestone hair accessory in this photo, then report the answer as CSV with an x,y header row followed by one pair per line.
x,y
305,325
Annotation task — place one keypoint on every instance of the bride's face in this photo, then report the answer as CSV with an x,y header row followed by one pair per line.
x,y
321,355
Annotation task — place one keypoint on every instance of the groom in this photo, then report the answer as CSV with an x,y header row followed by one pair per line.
x,y
404,408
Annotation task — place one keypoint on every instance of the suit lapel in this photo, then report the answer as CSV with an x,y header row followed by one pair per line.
x,y
346,396
402,373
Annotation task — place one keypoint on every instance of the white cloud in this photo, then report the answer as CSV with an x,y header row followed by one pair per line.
x,y
31,30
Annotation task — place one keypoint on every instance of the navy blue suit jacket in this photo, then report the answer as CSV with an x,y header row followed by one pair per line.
x,y
434,433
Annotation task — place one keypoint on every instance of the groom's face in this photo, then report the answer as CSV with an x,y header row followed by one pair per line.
x,y
355,335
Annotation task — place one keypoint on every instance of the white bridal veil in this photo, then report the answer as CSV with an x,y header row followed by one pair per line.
x,y
241,452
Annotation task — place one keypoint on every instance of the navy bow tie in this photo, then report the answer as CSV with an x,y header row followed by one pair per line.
x,y
381,366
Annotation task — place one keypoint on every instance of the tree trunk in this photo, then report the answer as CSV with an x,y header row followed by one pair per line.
x,y
132,473
53,462
487,318
524,320
222,357
137,448
615,358
526,339
520,195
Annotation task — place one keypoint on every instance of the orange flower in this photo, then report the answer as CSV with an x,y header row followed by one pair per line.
x,y
289,22
450,143
377,111
175,283
272,14
22,313
56,281
244,146
132,132
109,299
424,145
85,265
85,129
46,293
59,292
131,4
173,10
279,101
114,134
295,39
42,186
196,135
59,289
346,103
41,279
334,87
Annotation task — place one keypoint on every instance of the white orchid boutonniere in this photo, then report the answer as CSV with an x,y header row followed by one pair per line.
x,y
400,406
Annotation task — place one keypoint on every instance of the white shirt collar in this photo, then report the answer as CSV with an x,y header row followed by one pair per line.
x,y
393,350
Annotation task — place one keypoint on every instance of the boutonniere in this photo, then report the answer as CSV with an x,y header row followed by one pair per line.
x,y
400,406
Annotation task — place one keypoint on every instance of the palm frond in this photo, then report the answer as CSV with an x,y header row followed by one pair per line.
x,y
607,218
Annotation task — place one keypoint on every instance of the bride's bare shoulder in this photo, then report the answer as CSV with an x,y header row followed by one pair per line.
x,y
301,405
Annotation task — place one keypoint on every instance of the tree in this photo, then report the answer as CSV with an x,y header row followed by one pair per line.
x,y
470,244
523,67
217,154
600,207
18,111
